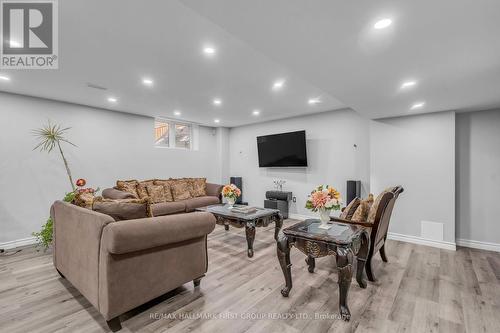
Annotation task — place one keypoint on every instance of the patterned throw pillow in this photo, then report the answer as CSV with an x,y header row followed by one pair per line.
x,y
123,209
129,186
156,193
180,190
373,210
198,187
142,190
167,188
84,200
348,212
361,213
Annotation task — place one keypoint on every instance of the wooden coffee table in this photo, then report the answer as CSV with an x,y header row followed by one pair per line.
x,y
261,218
343,241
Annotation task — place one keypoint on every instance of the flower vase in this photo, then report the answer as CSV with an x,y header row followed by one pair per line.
x,y
324,217
230,202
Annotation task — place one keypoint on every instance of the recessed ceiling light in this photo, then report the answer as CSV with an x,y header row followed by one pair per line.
x,y
277,85
314,101
217,101
4,78
209,50
177,113
147,82
14,43
417,105
216,121
256,112
408,84
112,100
382,24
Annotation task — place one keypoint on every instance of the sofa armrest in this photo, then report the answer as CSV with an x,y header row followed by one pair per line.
x,y
142,234
112,193
214,190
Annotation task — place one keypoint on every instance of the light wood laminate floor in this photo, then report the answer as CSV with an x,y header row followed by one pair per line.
x,y
421,289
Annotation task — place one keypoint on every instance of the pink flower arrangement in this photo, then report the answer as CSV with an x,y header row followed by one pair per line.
x,y
324,197
231,191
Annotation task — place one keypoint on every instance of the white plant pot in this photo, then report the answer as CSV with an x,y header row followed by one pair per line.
x,y
230,202
324,217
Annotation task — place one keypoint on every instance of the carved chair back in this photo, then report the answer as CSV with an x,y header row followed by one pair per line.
x,y
383,216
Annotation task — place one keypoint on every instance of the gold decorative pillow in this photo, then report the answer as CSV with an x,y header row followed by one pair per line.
x,y
84,199
373,209
198,187
361,213
123,209
156,193
180,190
167,188
129,186
142,190
348,212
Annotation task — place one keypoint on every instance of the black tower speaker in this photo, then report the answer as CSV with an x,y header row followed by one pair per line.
x,y
238,181
353,190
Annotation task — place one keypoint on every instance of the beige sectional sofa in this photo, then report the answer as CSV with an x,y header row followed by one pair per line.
x,y
119,265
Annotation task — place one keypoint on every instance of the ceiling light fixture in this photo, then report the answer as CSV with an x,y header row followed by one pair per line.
x,y
216,121
382,24
112,100
209,50
177,113
4,78
408,84
147,82
217,101
277,85
256,112
417,105
314,101
14,43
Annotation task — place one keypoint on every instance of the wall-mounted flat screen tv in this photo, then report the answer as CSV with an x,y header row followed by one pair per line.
x,y
282,150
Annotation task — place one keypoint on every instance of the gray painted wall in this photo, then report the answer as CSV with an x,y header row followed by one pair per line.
x,y
331,156
111,146
417,152
478,176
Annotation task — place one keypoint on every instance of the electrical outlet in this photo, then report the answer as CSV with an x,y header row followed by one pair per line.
x,y
294,199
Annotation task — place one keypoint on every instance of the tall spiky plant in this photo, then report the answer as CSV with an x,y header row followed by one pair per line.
x,y
51,136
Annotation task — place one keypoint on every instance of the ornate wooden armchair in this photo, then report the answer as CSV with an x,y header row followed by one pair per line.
x,y
378,226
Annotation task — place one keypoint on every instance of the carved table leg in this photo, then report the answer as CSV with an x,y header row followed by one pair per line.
x,y
250,233
226,227
283,252
362,255
311,262
344,265
277,226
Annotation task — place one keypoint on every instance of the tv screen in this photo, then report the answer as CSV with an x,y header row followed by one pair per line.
x,y
282,150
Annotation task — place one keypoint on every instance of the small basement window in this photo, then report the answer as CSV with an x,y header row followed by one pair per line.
x,y
174,134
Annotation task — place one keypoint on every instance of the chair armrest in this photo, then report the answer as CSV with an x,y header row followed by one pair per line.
x,y
214,190
364,224
142,234
112,193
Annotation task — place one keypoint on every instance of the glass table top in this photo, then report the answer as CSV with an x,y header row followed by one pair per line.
x,y
338,232
224,210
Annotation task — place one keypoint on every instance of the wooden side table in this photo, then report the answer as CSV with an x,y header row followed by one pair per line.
x,y
343,241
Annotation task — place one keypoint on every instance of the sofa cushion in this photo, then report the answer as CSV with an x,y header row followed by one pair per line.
x,y
167,208
180,190
129,186
167,188
142,190
193,203
198,187
124,209
156,193
114,193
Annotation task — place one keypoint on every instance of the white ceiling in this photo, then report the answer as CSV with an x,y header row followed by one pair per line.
x,y
323,48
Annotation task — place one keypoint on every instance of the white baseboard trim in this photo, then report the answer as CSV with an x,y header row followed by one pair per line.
x,y
422,241
479,245
18,243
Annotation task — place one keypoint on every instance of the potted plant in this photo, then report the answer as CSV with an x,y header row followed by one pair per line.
x,y
324,199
